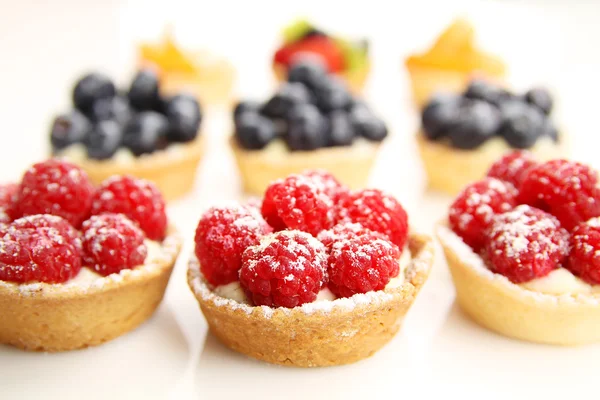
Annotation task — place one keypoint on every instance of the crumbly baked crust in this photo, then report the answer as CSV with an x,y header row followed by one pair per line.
x,y
355,79
317,334
59,317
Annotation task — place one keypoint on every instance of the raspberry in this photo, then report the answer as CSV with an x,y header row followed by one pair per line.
x,y
286,269
8,197
513,167
39,254
56,187
584,259
222,236
473,210
377,211
327,182
566,189
112,242
342,231
63,227
138,199
361,264
526,243
298,202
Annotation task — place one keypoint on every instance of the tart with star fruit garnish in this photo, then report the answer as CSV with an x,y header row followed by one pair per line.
x,y
345,58
140,132
318,276
80,265
462,135
312,122
451,63
523,247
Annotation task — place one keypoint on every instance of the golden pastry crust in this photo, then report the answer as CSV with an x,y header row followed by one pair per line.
x,y
61,317
355,79
339,332
350,165
501,306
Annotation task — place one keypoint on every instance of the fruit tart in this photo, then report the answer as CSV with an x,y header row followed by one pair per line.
x,y
139,132
523,247
312,121
317,276
80,265
345,58
451,63
462,135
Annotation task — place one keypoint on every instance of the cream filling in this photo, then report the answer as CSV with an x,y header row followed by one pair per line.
x,y
77,153
234,291
560,281
544,147
278,149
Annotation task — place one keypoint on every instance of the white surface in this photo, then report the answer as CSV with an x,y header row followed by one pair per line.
x,y
439,351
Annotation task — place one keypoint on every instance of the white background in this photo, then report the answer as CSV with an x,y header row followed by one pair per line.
x,y
45,45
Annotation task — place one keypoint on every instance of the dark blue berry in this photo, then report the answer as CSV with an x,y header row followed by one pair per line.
x,y
332,94
68,129
309,71
144,91
477,122
550,130
341,130
247,105
254,131
367,125
437,116
183,113
481,90
91,88
522,124
307,128
287,97
146,133
104,141
540,98
115,108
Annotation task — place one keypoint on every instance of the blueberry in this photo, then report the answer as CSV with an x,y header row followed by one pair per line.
x,y
183,113
367,125
332,94
254,131
309,71
146,133
243,106
307,128
104,141
477,122
68,129
550,130
115,108
144,93
522,124
540,98
288,96
481,90
439,113
341,131
91,88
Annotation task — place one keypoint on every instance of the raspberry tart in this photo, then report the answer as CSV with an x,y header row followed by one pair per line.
x,y
462,135
348,59
312,121
141,132
317,276
80,265
523,247
451,63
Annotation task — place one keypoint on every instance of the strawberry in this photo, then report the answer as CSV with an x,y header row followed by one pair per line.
x,y
322,46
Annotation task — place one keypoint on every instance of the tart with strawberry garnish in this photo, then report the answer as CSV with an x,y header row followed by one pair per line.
x,y
80,265
317,276
141,132
345,58
523,247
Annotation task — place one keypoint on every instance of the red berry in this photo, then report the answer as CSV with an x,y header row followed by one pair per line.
x,y
41,254
565,189
526,243
298,202
584,258
377,211
222,236
361,264
286,269
327,182
342,231
473,210
63,227
513,167
324,47
8,198
112,242
56,187
138,199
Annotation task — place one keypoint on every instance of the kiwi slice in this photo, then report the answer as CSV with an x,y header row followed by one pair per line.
x,y
296,31
355,53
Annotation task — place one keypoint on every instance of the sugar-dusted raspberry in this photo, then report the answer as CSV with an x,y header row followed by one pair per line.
x,y
63,227
112,242
286,269
139,199
377,211
584,257
56,187
473,210
327,182
8,199
39,254
526,243
342,231
222,235
565,189
298,202
513,167
361,264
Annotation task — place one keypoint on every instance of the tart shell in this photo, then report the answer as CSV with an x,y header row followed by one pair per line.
x,y
336,332
355,79
61,317
497,304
